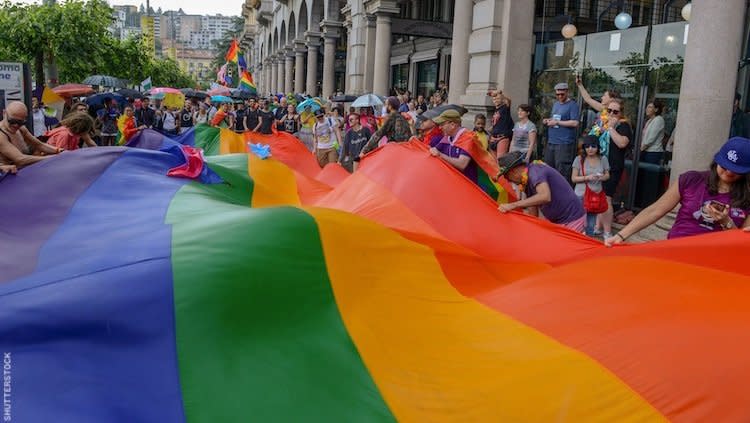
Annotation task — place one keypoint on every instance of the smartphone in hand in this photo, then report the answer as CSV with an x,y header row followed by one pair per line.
x,y
718,205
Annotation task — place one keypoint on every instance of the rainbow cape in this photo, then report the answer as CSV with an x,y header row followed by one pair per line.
x,y
285,292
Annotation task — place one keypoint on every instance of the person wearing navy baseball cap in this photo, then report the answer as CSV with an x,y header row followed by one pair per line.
x,y
710,201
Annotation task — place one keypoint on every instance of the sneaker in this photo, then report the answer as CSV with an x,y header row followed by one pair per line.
x,y
607,235
597,232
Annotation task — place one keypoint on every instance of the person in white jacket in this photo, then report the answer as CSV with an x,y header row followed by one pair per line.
x,y
652,149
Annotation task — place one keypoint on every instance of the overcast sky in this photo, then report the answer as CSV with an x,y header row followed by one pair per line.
x,y
193,7
196,7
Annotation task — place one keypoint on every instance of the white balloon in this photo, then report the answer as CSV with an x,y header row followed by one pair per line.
x,y
569,31
686,11
623,20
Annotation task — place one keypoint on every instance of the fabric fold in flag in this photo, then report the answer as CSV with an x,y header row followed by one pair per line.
x,y
194,166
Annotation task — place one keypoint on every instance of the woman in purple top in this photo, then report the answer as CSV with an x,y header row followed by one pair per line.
x,y
546,190
710,201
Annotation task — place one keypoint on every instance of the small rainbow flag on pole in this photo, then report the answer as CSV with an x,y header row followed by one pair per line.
x,y
233,52
246,81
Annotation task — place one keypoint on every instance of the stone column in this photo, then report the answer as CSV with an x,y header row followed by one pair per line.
x,y
715,36
274,75
415,9
382,54
500,48
347,82
459,75
355,21
267,70
289,70
330,35
369,52
299,66
282,73
313,44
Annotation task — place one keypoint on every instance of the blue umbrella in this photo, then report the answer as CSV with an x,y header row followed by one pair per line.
x,y
314,105
221,99
98,99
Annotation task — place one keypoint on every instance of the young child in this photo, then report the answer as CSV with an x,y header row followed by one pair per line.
x,y
479,123
590,169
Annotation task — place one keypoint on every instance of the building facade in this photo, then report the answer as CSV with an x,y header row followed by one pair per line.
x,y
321,47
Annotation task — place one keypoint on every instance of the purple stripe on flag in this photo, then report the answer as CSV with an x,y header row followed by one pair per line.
x,y
57,184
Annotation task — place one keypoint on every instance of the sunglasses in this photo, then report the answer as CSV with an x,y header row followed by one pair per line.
x,y
613,112
559,94
591,146
13,121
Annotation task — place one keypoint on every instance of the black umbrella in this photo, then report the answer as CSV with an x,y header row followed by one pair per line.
x,y
435,112
344,98
242,94
191,93
128,93
105,81
98,99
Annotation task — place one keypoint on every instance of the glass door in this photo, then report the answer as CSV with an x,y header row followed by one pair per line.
x,y
618,60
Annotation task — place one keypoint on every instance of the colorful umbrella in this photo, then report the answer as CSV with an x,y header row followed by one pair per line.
x,y
220,91
163,90
221,99
174,100
73,90
310,102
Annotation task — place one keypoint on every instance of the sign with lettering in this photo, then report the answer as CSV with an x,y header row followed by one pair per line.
x,y
11,82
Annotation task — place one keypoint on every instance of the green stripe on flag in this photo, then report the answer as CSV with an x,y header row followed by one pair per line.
x,y
208,138
259,335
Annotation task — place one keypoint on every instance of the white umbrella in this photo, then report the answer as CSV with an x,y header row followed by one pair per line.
x,y
367,100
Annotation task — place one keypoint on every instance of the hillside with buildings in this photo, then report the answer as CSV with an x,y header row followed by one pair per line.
x,y
189,39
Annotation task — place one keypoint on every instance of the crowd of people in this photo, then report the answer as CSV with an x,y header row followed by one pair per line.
x,y
573,185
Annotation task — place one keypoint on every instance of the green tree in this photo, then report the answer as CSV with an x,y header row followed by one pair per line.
x,y
73,37
69,33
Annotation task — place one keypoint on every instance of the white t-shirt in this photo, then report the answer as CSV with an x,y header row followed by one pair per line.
x,y
325,133
39,127
169,121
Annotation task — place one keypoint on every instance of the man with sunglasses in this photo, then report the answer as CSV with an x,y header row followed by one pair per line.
x,y
561,132
17,145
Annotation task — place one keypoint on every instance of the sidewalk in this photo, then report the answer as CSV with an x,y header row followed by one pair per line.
x,y
655,232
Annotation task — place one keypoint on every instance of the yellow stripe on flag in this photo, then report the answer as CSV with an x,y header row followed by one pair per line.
x,y
433,352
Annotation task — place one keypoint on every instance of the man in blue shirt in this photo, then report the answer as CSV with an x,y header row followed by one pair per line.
x,y
561,135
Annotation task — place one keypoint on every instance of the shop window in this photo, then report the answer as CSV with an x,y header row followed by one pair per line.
x,y
400,76
426,77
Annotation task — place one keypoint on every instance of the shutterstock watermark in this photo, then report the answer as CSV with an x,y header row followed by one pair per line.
x,y
7,387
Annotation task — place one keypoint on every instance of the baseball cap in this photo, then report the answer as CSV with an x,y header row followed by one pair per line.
x,y
320,112
449,115
734,155
561,86
509,161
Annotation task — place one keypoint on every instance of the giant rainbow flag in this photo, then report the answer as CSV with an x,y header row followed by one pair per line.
x,y
282,292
